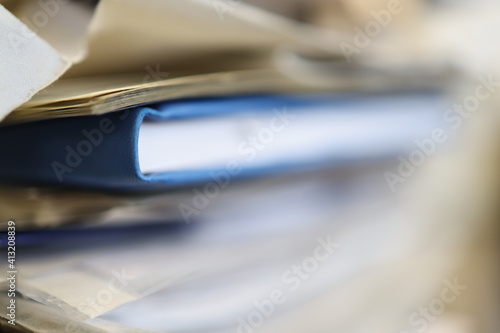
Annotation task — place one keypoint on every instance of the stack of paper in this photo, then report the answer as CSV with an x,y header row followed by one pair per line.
x,y
230,166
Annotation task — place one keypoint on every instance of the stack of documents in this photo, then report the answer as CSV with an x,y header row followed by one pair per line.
x,y
229,166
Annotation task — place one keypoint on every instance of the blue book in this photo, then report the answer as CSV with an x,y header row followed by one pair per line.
x,y
185,142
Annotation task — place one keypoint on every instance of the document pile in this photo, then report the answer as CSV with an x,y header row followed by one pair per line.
x,y
230,166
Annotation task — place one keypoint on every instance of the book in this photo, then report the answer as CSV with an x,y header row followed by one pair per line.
x,y
194,141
